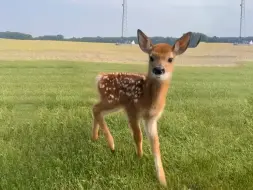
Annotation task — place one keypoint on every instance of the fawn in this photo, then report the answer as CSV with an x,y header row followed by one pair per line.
x,y
140,96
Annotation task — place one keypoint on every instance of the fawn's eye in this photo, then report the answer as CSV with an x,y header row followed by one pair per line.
x,y
170,60
151,58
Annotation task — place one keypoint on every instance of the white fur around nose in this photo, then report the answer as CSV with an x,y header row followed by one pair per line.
x,y
165,76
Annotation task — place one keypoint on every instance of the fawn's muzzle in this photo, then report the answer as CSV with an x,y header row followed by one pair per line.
x,y
158,70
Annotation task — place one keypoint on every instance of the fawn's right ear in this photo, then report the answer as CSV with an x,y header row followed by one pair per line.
x,y
144,42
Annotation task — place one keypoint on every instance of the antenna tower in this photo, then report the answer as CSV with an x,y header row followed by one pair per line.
x,y
242,19
124,19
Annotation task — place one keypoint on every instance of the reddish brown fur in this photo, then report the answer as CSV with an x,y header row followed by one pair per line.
x,y
141,96
121,88
161,49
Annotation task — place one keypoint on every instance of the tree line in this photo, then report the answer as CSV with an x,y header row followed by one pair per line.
x,y
155,39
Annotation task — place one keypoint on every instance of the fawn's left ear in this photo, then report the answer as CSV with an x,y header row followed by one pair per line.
x,y
144,42
182,44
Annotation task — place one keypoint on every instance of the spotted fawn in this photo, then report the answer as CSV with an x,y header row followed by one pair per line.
x,y
141,96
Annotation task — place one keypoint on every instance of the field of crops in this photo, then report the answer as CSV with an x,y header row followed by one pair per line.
x,y
206,132
204,54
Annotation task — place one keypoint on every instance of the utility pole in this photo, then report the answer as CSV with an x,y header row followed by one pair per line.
x,y
242,20
124,19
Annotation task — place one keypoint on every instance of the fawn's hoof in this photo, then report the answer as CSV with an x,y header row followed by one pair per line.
x,y
94,137
139,154
163,183
162,180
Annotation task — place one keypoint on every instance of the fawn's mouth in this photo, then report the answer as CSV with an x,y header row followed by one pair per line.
x,y
162,77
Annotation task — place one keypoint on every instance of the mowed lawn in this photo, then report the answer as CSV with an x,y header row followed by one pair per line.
x,y
206,132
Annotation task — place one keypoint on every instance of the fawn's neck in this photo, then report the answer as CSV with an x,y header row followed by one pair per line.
x,y
156,92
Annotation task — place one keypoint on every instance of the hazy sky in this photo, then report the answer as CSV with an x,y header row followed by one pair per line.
x,y
103,17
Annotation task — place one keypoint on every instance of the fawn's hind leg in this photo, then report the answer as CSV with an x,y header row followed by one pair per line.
x,y
99,111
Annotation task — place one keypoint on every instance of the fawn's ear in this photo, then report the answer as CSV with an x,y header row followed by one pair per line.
x,y
144,42
182,44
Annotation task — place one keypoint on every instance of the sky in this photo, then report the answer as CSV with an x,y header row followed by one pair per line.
x,y
103,17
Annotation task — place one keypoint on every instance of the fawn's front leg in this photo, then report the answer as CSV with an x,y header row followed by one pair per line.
x,y
134,123
151,131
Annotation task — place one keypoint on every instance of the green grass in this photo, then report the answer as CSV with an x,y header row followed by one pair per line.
x,y
206,132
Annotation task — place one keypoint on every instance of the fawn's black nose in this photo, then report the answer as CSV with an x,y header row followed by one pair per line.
x,y
158,70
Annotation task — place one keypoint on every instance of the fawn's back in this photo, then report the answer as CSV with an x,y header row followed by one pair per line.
x,y
120,88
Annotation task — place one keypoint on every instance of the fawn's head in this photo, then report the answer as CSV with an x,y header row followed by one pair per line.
x,y
161,56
